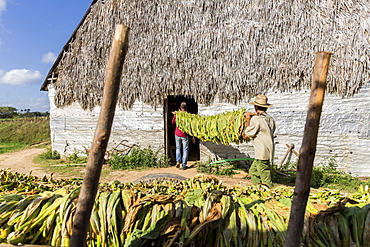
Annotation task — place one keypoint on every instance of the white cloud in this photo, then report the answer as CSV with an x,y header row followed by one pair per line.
x,y
36,104
20,77
40,104
48,57
2,6
1,42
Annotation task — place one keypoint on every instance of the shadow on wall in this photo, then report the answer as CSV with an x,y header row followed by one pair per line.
x,y
220,152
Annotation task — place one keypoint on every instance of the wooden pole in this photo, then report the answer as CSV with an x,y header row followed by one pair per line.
x,y
307,151
295,152
102,132
290,148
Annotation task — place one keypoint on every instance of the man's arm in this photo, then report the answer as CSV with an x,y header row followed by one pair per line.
x,y
251,127
248,117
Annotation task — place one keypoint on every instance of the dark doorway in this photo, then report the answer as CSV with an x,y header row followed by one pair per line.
x,y
173,104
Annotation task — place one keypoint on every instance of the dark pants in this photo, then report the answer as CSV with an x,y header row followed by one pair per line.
x,y
260,172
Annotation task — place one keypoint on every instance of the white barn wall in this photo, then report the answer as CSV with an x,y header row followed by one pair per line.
x,y
344,128
344,131
72,128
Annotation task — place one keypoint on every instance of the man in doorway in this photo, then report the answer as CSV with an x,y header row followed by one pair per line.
x,y
261,127
182,142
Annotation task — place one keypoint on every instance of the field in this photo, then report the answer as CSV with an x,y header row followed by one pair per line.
x,y
28,131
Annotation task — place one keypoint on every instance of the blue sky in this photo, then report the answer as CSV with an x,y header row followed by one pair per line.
x,y
32,33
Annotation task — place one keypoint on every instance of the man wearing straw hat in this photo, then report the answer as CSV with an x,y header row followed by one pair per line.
x,y
260,128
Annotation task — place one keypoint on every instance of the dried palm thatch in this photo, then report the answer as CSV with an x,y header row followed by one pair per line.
x,y
204,49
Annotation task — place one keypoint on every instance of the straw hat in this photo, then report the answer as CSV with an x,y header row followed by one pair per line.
x,y
261,100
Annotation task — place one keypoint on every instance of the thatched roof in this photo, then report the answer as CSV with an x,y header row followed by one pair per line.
x,y
215,48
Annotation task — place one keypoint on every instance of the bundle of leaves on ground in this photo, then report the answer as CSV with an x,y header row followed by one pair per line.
x,y
222,128
199,210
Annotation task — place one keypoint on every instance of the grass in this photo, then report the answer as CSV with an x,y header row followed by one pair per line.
x,y
52,163
18,133
71,166
27,131
6,147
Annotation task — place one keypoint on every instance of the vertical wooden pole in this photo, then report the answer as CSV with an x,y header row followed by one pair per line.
x,y
307,151
102,132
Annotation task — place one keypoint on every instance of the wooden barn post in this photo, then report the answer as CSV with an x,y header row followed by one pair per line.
x,y
307,150
102,132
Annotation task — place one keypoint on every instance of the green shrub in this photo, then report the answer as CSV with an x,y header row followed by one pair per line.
x,y
50,155
324,174
78,157
289,169
138,157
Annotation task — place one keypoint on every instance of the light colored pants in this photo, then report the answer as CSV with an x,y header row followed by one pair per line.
x,y
182,149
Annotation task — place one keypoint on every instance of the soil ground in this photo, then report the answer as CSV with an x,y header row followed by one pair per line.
x,y
21,161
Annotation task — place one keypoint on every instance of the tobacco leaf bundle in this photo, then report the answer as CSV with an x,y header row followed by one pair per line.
x,y
224,128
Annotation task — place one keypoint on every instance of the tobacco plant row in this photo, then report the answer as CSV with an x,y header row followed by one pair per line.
x,y
200,211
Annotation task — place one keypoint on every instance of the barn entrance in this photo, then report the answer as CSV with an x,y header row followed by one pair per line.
x,y
173,104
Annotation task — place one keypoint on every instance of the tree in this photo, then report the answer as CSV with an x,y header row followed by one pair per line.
x,y
8,112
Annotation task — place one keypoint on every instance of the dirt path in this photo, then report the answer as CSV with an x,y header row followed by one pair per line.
x,y
21,161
